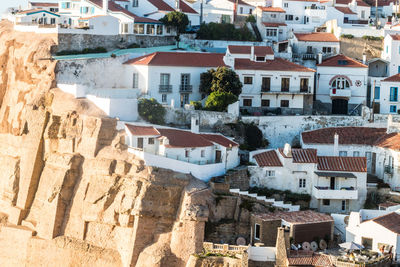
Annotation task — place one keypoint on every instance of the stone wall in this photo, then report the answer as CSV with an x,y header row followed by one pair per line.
x,y
238,178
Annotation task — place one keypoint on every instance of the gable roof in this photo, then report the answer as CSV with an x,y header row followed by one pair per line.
x,y
161,5
380,2
185,8
271,9
44,4
345,10
268,159
393,78
316,37
184,59
347,135
246,50
138,130
277,64
346,2
36,10
181,138
390,221
296,217
219,139
395,37
341,61
390,141
273,24
240,2
345,164
314,259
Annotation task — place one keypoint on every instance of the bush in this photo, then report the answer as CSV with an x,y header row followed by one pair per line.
x,y
372,38
151,111
224,31
219,101
134,45
197,105
84,51
347,36
286,195
222,79
251,19
254,137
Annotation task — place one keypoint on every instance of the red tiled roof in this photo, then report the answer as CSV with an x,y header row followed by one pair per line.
x,y
268,159
388,204
390,221
240,2
315,259
273,25
44,4
142,130
271,9
185,8
316,37
345,62
161,5
301,155
296,217
346,2
345,10
395,37
180,59
347,135
345,164
246,49
219,139
380,2
390,141
394,78
181,138
278,64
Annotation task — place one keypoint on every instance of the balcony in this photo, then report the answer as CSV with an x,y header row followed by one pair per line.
x,y
165,88
326,193
291,91
340,93
309,56
185,88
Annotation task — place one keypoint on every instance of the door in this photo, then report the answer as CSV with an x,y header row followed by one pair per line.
x,y
373,163
339,106
140,142
218,156
332,187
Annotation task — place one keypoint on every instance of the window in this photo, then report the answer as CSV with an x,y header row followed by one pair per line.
x,y
247,102
377,92
303,85
285,4
225,19
151,141
169,29
151,29
387,49
340,83
265,102
203,153
326,202
135,83
241,10
368,155
273,16
260,58
327,49
161,141
138,28
65,5
393,108
393,94
185,82
266,84
343,62
257,229
248,80
160,29
367,242
289,17
52,21
285,84
342,153
135,3
164,78
302,183
270,173
284,103
363,14
187,153
184,99
164,98
356,153
343,205
125,28
271,32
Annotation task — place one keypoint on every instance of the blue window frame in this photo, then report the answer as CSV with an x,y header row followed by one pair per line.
x,y
387,49
393,94
377,92
92,10
63,5
393,109
398,69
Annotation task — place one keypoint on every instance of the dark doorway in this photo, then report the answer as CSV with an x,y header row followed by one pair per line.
x,y
140,142
332,183
218,156
339,106
373,164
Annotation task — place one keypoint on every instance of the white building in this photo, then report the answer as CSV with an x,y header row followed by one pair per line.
x,y
271,23
336,184
49,6
391,48
39,17
172,78
380,233
271,84
204,155
388,95
342,84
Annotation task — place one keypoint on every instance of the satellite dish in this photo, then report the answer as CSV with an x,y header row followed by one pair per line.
x,y
306,246
314,246
241,241
322,244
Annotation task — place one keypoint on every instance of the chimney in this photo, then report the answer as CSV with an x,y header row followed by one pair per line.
x,y
195,124
287,150
364,61
319,58
336,145
105,6
252,53
282,247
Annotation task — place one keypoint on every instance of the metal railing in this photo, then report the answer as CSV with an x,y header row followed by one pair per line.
x,y
165,88
185,88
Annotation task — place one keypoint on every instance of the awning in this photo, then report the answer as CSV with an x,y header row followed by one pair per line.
x,y
336,174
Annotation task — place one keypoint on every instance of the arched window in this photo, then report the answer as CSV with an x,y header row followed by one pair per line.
x,y
340,83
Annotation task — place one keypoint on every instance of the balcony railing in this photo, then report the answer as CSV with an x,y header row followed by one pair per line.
x,y
363,22
185,88
165,88
309,56
340,93
389,169
320,192
292,90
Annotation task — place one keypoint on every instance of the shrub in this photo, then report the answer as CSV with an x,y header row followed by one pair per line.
x,y
254,137
224,31
251,19
134,45
197,105
219,101
372,38
347,36
222,79
151,111
286,195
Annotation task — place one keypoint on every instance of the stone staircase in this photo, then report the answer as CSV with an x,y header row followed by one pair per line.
x,y
271,201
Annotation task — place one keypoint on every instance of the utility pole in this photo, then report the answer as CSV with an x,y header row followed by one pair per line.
x,y
376,14
201,12
373,103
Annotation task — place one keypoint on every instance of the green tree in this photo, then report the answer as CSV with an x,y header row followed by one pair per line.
x,y
178,20
151,111
206,79
254,137
219,100
223,79
251,19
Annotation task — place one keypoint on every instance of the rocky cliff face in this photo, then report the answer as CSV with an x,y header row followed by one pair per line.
x,y
70,194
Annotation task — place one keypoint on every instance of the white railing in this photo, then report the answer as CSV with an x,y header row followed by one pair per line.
x,y
340,92
334,194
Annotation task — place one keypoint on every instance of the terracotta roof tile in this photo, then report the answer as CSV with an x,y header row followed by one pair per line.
x,y
36,10
240,2
341,61
345,10
268,159
184,59
346,2
390,221
395,37
345,164
301,155
246,49
380,2
219,139
142,130
271,9
388,204
185,8
44,4
391,141
278,64
393,78
273,25
161,5
315,259
316,37
347,135
181,138
296,217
